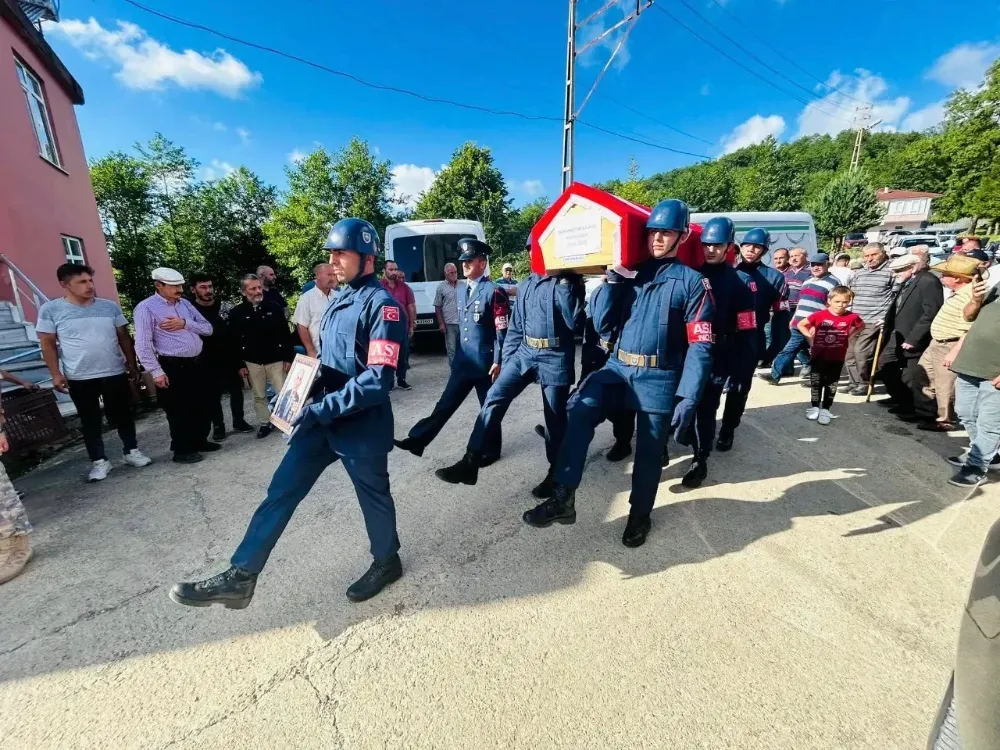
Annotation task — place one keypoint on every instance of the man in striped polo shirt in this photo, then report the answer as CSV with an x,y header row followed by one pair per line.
x,y
812,298
872,286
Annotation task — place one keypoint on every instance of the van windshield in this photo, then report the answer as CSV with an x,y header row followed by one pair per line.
x,y
423,256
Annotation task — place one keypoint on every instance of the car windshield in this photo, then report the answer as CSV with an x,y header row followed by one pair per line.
x,y
914,241
423,256
856,235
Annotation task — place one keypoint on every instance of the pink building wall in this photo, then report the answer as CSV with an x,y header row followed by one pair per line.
x,y
40,202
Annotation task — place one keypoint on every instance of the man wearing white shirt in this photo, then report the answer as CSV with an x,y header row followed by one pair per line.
x,y
309,311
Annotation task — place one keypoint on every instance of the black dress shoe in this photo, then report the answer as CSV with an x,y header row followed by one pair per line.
x,y
619,451
540,431
219,433
209,447
242,427
403,386
232,588
545,488
696,474
725,441
465,471
636,530
188,458
488,461
560,508
377,577
411,445
264,430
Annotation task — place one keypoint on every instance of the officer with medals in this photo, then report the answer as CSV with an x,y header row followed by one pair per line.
x,y
661,322
540,347
735,352
483,313
771,299
349,420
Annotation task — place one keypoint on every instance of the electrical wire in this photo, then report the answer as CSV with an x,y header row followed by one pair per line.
x,y
785,57
633,110
749,70
397,89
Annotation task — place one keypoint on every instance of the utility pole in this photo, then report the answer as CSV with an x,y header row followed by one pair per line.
x,y
861,116
570,110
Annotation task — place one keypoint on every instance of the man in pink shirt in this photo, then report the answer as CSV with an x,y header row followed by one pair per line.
x,y
392,280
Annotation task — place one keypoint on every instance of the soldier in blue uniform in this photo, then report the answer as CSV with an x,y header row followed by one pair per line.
x,y
483,315
661,322
349,420
771,299
735,351
539,348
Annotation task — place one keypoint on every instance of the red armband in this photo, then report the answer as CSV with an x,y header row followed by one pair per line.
x,y
746,320
383,351
781,306
500,322
700,332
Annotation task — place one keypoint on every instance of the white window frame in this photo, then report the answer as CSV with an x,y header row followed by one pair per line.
x,y
33,92
73,250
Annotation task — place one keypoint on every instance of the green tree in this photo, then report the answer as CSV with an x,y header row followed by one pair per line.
x,y
471,187
633,189
847,204
522,220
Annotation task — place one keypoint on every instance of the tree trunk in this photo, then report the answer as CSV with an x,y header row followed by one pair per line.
x,y
972,227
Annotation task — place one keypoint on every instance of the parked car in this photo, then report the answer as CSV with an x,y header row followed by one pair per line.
x,y
891,235
855,239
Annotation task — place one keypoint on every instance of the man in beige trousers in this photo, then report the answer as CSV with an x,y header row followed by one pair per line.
x,y
948,326
265,342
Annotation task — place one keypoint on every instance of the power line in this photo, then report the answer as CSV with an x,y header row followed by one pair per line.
x,y
623,105
785,57
752,72
394,89
751,54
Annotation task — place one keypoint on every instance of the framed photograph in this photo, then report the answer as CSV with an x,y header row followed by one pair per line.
x,y
295,392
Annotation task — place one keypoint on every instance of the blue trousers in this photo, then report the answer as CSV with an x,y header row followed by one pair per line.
x,y
797,347
977,403
307,456
777,333
455,393
599,396
510,384
704,420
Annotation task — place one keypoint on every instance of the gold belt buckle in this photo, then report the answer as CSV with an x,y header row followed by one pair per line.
x,y
635,360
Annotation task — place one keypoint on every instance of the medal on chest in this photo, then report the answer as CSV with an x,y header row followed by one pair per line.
x,y
476,314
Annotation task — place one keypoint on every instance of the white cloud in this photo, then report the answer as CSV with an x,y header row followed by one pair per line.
x,y
532,188
295,156
965,65
409,181
599,53
752,131
244,135
925,118
218,169
835,111
147,64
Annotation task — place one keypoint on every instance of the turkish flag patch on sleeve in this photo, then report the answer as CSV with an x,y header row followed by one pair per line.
x,y
746,320
700,332
383,351
390,313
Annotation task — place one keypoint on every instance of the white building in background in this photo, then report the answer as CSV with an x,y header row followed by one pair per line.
x,y
904,209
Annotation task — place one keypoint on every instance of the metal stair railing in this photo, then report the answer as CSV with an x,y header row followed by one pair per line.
x,y
17,277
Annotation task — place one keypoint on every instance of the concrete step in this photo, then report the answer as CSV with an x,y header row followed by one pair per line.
x,y
13,335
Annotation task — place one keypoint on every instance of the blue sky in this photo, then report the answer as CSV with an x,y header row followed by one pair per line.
x,y
231,105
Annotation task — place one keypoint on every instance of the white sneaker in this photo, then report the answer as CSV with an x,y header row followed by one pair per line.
x,y
99,470
137,458
824,416
812,413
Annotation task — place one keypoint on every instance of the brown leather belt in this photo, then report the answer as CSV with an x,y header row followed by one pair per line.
x,y
637,360
541,343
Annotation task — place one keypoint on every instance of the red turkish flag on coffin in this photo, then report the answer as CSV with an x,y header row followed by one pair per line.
x,y
586,230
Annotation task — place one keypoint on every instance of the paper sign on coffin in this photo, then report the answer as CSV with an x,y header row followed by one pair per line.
x,y
586,230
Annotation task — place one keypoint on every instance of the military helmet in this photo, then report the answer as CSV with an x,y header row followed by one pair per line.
x,y
472,248
669,215
718,230
757,236
353,234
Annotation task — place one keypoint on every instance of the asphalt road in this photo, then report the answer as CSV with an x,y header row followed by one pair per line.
x,y
808,596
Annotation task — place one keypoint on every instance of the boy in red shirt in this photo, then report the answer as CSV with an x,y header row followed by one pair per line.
x,y
830,332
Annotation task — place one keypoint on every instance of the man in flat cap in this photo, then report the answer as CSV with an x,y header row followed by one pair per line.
x,y
168,331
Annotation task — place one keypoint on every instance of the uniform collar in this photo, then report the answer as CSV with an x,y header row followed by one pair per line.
x,y
359,282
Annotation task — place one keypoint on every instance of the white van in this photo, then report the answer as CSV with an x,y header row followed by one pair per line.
x,y
788,228
421,249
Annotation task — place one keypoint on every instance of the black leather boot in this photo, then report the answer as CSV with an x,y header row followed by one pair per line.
x,y
725,441
232,588
377,577
560,508
410,445
696,473
545,488
465,471
636,530
619,451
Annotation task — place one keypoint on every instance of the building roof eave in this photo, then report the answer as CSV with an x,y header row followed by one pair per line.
x,y
11,12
